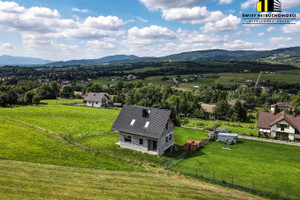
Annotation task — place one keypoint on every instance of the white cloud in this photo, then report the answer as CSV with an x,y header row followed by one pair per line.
x,y
261,34
240,44
225,1
98,44
248,4
7,46
80,10
293,29
168,4
41,29
141,19
280,40
188,37
270,29
149,35
229,23
193,15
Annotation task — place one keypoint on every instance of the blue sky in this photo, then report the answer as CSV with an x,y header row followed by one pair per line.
x,y
77,29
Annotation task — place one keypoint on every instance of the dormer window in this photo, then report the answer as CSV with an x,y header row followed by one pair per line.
x,y
132,122
147,124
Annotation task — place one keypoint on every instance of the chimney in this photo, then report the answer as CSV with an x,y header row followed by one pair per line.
x,y
145,113
294,115
274,113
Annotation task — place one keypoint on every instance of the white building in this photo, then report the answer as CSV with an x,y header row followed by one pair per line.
x,y
98,100
282,125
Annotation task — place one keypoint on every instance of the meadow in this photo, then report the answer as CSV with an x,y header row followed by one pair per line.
x,y
270,165
23,180
248,163
242,128
226,79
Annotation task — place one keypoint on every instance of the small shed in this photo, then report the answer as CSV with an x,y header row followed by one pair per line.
x,y
222,137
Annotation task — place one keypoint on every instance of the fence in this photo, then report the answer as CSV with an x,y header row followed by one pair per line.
x,y
233,181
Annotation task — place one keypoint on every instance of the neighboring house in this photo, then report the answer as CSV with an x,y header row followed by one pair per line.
x,y
282,125
282,107
149,130
232,102
249,80
208,107
97,100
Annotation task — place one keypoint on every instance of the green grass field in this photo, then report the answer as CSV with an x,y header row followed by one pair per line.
x,y
248,128
22,143
22,180
226,79
267,165
248,160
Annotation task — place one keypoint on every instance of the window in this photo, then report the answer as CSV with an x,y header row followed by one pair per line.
x,y
127,138
96,102
132,122
147,124
167,126
167,139
141,141
170,137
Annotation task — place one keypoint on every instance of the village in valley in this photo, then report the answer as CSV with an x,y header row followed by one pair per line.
x,y
150,99
159,121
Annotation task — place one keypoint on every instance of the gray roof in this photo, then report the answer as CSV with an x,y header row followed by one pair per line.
x,y
95,96
158,119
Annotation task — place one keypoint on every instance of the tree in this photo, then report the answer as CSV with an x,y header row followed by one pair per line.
x,y
223,111
36,100
277,109
3,99
29,96
239,112
67,92
12,97
54,87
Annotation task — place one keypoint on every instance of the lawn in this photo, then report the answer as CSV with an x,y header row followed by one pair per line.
x,y
269,165
248,128
266,165
22,143
22,180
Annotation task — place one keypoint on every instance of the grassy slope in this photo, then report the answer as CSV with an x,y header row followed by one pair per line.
x,y
21,180
269,165
19,142
251,159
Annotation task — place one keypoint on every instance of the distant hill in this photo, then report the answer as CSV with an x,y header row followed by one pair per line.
x,y
285,55
107,59
22,61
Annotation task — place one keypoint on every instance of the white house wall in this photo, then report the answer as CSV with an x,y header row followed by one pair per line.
x,y
291,130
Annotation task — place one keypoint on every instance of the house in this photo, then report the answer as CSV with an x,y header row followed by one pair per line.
x,y
281,125
249,80
97,100
149,130
282,107
232,102
208,107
